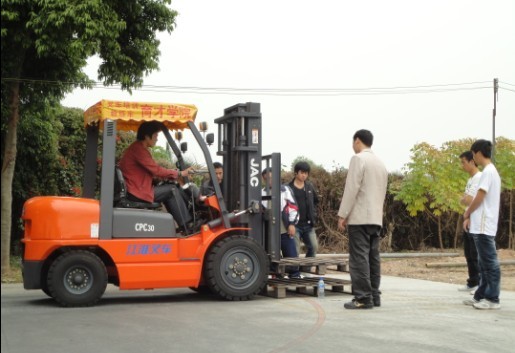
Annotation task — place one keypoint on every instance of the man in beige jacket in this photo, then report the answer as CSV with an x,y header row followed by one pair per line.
x,y
361,211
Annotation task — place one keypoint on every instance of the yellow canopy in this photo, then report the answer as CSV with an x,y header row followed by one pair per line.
x,y
129,115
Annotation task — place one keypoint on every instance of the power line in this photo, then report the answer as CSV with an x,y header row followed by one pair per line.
x,y
301,92
507,89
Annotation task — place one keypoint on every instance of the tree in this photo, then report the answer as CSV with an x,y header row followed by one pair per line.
x,y
46,44
505,164
433,183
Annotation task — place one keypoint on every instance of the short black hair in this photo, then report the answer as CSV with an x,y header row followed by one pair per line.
x,y
467,155
217,165
364,136
266,171
483,146
148,128
302,166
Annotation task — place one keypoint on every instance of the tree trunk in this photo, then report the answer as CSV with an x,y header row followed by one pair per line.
x,y
391,228
8,174
440,232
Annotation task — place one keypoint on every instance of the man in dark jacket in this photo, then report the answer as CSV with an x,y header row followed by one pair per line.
x,y
307,201
208,188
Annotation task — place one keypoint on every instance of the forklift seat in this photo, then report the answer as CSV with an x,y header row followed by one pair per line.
x,y
120,194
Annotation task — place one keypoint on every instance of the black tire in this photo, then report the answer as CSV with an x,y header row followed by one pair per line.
x,y
236,268
44,288
77,278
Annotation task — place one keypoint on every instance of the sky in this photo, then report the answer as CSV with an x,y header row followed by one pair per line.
x,y
408,71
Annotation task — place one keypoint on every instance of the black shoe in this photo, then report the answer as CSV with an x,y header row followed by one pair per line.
x,y
355,304
377,301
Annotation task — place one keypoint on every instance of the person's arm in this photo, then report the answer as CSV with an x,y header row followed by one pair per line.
x,y
466,200
316,200
290,209
480,196
471,189
350,193
144,158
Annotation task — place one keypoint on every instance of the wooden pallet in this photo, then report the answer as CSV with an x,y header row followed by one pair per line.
x,y
277,287
315,265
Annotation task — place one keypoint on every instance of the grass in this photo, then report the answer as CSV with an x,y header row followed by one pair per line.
x,y
13,275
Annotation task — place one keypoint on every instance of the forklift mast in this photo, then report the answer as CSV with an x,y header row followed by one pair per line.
x,y
240,145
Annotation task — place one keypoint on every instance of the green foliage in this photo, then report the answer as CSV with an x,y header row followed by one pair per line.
x,y
50,154
36,162
434,180
505,161
418,178
52,40
72,152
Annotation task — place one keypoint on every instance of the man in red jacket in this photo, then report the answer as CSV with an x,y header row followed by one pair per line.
x,y
139,169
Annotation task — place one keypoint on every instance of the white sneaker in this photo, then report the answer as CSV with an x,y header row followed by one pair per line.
x,y
485,304
470,302
466,288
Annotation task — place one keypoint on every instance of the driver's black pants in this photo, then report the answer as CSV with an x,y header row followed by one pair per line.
x,y
170,196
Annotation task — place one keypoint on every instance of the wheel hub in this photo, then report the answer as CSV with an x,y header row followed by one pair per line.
x,y
239,267
77,279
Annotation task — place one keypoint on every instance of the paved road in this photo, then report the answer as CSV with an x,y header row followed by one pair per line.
x,y
416,316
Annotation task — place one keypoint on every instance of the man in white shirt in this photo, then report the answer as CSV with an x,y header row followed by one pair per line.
x,y
480,219
469,246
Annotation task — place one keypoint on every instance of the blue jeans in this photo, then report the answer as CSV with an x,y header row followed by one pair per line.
x,y
288,249
489,270
309,238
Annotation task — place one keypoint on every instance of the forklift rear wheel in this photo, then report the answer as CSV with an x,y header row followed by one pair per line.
x,y
77,278
236,268
44,288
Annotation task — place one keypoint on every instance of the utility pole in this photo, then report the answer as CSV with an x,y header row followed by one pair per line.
x,y
496,89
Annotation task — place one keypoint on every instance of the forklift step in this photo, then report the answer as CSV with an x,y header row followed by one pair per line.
x,y
314,265
278,287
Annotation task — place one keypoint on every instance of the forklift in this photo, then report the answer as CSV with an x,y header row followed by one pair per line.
x,y
74,246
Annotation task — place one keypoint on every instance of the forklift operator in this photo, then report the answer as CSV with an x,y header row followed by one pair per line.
x,y
139,169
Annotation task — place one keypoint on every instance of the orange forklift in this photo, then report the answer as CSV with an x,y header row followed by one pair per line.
x,y
74,246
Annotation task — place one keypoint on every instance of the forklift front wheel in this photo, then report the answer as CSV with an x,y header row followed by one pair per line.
x,y
236,268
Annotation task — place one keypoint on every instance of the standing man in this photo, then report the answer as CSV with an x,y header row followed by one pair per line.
x,y
361,210
469,247
307,201
480,220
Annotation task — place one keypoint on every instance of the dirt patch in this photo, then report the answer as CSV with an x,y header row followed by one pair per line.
x,y
416,268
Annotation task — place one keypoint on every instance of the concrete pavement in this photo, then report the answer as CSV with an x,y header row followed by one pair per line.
x,y
415,316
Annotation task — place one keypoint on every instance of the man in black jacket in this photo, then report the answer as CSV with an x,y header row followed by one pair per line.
x,y
307,201
208,188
